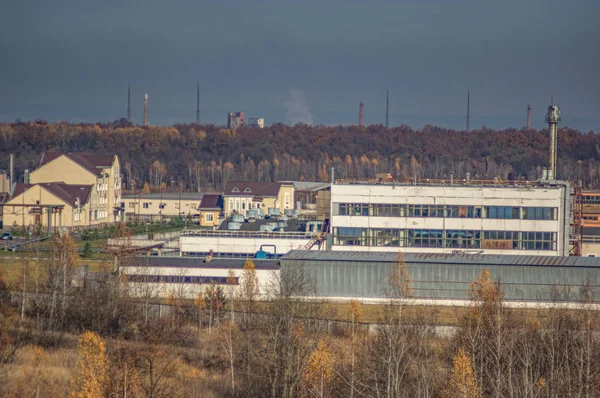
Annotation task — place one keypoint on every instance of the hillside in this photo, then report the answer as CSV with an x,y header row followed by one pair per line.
x,y
193,157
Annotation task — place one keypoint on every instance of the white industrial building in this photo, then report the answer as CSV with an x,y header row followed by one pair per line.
x,y
519,219
185,278
245,243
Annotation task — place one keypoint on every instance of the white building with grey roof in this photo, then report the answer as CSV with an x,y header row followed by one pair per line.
x,y
516,219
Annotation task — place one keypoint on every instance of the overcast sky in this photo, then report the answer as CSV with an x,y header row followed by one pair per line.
x,y
72,60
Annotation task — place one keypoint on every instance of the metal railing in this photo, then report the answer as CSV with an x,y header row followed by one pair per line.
x,y
435,182
251,234
590,239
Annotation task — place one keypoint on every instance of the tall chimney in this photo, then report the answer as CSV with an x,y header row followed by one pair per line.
x,y
145,109
553,117
360,115
528,116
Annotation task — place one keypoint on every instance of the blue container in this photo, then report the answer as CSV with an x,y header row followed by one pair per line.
x,y
261,254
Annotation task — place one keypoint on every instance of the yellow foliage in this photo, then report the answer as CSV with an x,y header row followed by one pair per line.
x,y
485,289
462,382
89,379
355,310
319,369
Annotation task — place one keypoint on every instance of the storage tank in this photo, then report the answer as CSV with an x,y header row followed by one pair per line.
x,y
234,225
266,228
254,213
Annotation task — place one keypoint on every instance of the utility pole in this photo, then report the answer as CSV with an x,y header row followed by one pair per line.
x,y
387,109
198,104
468,111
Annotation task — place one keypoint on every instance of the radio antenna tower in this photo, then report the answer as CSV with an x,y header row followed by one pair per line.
x,y
387,109
468,110
129,103
198,104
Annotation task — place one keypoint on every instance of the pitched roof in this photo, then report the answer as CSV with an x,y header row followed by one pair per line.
x,y
19,189
238,188
90,162
69,192
65,192
211,202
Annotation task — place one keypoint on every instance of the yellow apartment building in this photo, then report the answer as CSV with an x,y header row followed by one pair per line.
x,y
242,196
56,204
210,210
102,172
153,206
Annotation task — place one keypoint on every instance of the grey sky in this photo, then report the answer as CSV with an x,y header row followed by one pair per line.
x,y
72,60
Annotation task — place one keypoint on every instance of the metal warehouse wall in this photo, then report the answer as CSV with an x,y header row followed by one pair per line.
x,y
364,279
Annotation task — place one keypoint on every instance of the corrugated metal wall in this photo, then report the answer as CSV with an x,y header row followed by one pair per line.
x,y
443,281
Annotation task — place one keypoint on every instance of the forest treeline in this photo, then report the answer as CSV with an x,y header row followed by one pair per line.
x,y
204,157
231,342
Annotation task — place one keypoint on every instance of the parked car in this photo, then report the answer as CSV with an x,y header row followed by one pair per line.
x,y
6,236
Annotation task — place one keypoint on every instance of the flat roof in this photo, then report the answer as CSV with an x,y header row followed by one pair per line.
x,y
443,258
198,262
456,183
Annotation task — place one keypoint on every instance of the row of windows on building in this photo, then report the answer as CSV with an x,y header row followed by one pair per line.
x,y
590,199
197,280
439,238
99,214
448,211
146,205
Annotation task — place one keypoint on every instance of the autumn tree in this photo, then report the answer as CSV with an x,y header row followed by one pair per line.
x,y
90,376
319,373
462,382
62,263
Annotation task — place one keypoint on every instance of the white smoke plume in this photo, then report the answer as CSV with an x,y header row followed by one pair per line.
x,y
297,108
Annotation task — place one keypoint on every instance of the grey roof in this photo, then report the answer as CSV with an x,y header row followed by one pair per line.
x,y
198,262
293,225
166,196
308,185
440,258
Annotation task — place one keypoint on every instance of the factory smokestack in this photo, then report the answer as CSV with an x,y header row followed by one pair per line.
x,y
468,110
553,117
360,115
145,109
528,116
129,103
387,109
